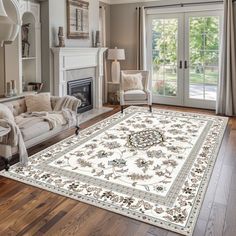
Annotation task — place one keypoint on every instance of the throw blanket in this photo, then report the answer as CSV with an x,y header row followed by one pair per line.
x,y
54,119
14,137
65,112
30,119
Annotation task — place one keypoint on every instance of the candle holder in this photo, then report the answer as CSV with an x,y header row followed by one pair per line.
x,y
13,85
9,90
61,37
98,41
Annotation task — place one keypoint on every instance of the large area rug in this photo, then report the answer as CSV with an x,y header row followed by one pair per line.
x,y
151,167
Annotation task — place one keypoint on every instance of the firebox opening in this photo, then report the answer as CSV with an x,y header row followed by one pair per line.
x,y
83,90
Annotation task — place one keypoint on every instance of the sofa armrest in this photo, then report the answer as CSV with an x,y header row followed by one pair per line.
x,y
72,103
77,104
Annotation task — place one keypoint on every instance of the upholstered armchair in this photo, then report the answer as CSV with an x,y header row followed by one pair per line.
x,y
138,95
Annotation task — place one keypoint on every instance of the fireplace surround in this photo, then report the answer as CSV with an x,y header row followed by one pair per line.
x,y
72,58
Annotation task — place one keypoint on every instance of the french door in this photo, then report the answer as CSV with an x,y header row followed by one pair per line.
x,y
183,56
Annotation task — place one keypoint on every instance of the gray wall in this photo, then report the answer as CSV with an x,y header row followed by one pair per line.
x,y
124,32
58,17
53,15
124,27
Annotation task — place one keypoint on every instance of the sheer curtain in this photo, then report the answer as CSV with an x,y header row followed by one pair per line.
x,y
141,46
226,102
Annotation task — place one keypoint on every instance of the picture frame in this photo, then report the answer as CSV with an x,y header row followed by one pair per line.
x,y
77,19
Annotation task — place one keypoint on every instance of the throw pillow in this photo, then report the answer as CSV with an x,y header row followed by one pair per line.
x,y
38,102
132,82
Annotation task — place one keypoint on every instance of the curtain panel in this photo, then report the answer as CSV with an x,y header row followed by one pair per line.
x,y
141,39
226,102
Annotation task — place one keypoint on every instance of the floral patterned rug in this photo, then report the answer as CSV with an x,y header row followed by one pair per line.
x,y
153,167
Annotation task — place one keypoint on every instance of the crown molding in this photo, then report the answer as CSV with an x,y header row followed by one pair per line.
x,y
112,2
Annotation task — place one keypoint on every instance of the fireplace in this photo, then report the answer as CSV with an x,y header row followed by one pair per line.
x,y
83,90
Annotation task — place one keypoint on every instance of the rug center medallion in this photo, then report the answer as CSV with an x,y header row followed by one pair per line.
x,y
145,139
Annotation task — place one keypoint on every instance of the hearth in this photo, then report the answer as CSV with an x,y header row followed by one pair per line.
x,y
83,90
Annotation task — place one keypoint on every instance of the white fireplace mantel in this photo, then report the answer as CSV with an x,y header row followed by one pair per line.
x,y
72,58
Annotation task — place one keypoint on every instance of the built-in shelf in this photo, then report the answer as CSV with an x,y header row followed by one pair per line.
x,y
21,95
28,58
31,56
115,83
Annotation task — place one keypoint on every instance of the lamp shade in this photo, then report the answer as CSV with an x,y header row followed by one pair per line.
x,y
116,54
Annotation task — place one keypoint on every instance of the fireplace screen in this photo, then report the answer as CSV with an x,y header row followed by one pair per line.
x,y
83,90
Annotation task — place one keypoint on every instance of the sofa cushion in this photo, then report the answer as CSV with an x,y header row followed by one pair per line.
x,y
135,95
38,102
35,130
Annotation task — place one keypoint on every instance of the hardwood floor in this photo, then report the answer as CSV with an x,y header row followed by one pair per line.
x,y
26,210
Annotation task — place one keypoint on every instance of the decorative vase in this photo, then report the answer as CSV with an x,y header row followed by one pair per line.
x,y
98,42
61,37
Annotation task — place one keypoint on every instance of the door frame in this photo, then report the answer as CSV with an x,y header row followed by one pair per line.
x,y
183,80
169,100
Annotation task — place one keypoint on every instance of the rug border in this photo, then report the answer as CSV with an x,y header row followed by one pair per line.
x,y
209,174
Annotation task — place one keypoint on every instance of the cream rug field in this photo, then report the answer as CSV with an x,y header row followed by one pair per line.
x,y
151,167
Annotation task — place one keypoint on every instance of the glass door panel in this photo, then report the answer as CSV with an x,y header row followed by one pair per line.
x,y
165,33
203,57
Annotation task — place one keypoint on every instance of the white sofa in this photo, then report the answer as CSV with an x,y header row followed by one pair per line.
x,y
32,135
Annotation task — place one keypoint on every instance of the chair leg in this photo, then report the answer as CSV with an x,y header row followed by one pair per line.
x,y
150,108
122,109
77,130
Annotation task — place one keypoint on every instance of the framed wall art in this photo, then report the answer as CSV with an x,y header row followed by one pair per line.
x,y
77,19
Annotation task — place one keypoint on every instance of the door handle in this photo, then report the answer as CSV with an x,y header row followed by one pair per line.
x,y
180,64
185,65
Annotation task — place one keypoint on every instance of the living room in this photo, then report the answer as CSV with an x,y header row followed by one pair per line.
x,y
117,117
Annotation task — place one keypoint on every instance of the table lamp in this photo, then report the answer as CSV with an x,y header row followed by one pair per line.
x,y
116,55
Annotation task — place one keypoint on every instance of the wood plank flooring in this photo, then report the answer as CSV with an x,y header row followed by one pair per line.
x,y
26,210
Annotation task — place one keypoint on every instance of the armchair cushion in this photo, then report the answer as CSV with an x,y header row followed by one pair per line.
x,y
135,95
132,82
38,102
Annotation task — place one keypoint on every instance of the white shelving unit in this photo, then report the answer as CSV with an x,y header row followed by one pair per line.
x,y
29,68
31,64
